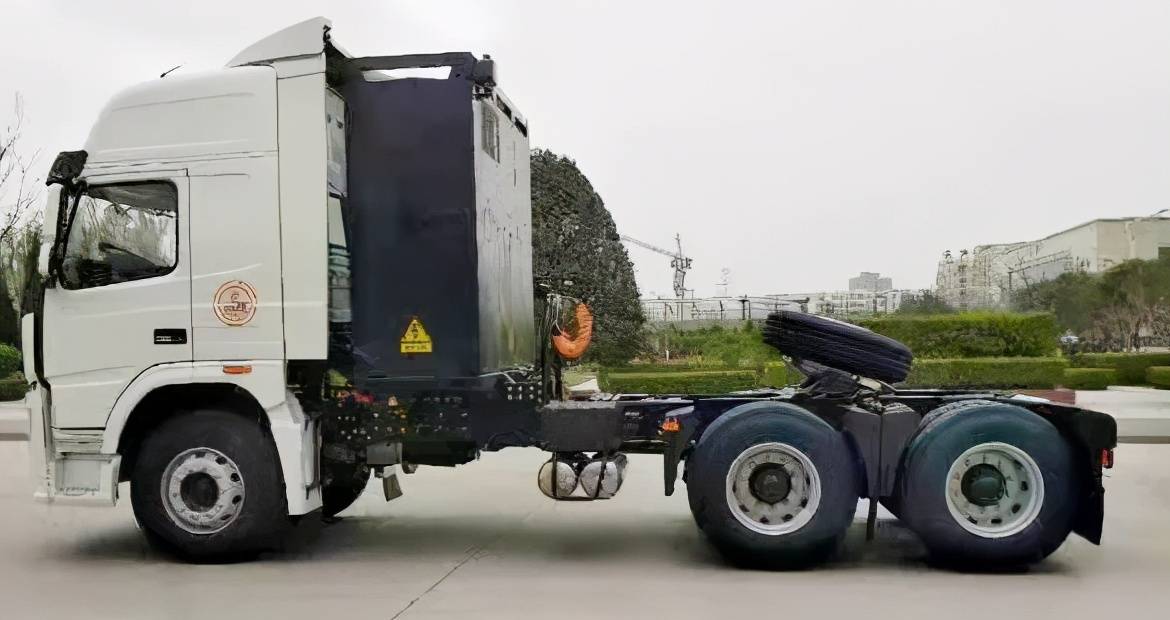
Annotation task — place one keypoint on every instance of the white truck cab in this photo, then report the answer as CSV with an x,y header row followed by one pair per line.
x,y
188,260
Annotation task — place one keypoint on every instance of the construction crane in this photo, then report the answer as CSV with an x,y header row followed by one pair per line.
x,y
678,261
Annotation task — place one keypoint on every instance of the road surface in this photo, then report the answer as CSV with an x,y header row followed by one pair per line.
x,y
481,542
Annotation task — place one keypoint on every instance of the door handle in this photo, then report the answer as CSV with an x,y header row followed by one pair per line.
x,y
170,336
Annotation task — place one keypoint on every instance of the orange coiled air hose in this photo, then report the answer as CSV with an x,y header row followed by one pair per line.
x,y
571,347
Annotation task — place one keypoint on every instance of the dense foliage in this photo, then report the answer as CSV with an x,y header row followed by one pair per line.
x,y
988,372
576,251
971,334
10,360
1121,309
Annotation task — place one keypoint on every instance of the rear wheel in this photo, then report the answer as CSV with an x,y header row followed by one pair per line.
x,y
772,485
991,485
207,484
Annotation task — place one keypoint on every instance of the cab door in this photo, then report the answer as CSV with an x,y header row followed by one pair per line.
x,y
122,298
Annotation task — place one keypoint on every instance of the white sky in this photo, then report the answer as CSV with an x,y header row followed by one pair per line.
x,y
795,143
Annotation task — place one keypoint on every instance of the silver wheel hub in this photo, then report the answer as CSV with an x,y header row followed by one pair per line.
x,y
203,490
994,490
773,489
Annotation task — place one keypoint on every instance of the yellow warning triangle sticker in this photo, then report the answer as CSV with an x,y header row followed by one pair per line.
x,y
416,339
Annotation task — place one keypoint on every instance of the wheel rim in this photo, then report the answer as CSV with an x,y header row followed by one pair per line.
x,y
994,490
203,490
773,489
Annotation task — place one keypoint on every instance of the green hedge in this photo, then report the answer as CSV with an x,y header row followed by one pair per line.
x,y
1130,367
12,388
1158,376
988,372
10,360
1089,378
779,374
971,334
686,382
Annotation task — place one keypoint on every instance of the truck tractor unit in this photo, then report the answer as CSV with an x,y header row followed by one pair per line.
x,y
266,283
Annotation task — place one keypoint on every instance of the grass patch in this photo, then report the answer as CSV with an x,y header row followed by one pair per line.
x,y
685,382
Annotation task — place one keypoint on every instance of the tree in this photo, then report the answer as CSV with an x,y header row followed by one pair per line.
x,y
1110,310
19,190
576,251
18,259
925,303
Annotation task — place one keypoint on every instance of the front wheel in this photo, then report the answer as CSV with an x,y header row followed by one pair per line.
x,y
207,484
772,485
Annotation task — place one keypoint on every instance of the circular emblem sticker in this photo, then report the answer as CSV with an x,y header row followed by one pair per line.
x,y
235,303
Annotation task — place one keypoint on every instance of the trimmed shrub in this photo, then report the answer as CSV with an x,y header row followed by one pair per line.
x,y
1158,376
779,374
1089,378
1130,367
13,388
10,360
988,372
687,382
971,334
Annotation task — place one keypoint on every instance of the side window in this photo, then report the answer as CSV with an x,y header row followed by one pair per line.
x,y
120,233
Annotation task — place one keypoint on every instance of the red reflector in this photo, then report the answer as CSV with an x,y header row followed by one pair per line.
x,y
1107,459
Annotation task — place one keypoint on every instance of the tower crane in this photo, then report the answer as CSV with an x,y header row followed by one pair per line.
x,y
678,261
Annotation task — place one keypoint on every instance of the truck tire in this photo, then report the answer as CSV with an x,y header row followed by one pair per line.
x,y
894,502
207,485
772,485
989,485
342,484
839,345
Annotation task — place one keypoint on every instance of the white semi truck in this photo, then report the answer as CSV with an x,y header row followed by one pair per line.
x,y
267,281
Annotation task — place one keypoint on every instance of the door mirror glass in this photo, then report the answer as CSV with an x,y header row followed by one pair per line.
x,y
119,233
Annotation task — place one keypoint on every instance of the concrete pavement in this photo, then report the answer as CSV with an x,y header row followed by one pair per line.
x,y
1142,414
480,541
13,420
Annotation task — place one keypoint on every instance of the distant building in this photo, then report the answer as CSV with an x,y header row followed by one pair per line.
x,y
706,311
843,304
694,313
987,276
870,282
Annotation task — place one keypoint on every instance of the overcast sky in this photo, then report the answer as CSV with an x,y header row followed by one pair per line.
x,y
794,143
